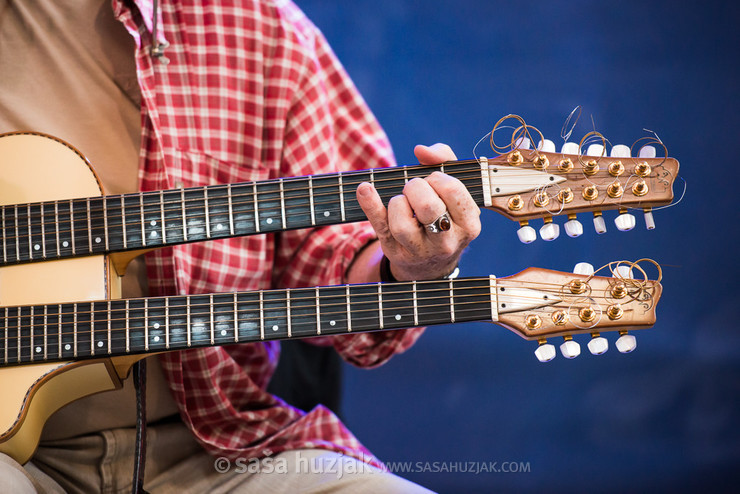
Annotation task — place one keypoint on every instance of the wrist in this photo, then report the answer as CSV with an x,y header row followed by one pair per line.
x,y
386,275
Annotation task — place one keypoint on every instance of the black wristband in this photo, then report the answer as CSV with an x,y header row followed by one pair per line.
x,y
386,276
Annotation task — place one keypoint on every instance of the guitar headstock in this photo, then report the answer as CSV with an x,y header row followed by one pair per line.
x,y
579,303
527,184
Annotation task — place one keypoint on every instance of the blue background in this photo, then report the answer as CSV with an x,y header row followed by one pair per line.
x,y
665,416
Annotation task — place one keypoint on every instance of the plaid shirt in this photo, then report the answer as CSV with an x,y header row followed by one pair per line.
x,y
252,92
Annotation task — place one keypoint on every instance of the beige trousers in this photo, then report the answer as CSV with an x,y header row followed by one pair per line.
x,y
103,462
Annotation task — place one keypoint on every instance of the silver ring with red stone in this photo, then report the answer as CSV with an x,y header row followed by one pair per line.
x,y
441,224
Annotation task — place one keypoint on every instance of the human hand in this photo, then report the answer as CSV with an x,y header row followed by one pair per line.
x,y
415,253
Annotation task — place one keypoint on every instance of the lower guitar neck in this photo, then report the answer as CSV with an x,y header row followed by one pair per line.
x,y
73,331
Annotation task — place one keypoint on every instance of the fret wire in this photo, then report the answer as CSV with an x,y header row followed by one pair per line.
x,y
46,336
287,305
17,236
452,304
349,317
89,225
282,202
416,306
236,320
167,322
206,213
105,224
256,214
43,233
128,328
184,218
262,317
110,332
318,313
187,320
56,220
164,224
18,336
30,234
146,324
30,333
442,168
213,326
7,340
380,304
405,175
231,209
59,329
5,253
72,228
310,200
143,225
341,197
123,221
92,328
74,329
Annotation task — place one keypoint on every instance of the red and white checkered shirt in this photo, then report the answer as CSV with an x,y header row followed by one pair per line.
x,y
252,91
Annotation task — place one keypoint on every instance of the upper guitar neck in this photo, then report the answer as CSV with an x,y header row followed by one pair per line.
x,y
117,223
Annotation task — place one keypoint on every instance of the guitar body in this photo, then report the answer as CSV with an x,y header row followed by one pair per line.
x,y
33,168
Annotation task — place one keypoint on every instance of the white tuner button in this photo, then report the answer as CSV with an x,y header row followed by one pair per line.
x,y
583,268
545,352
550,231
573,228
547,146
625,222
649,220
595,150
620,151
598,345
570,349
570,148
599,224
526,234
625,272
626,343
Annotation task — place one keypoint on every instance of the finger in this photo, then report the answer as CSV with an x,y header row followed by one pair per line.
x,y
404,227
460,205
424,200
374,209
434,154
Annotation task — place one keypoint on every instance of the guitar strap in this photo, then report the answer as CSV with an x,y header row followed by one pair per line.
x,y
139,377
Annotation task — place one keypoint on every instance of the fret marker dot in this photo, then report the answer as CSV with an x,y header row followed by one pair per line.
x,y
97,240
65,244
36,247
156,325
332,323
67,346
219,227
268,221
154,234
100,344
38,349
223,332
156,338
326,213
153,223
398,317
275,327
